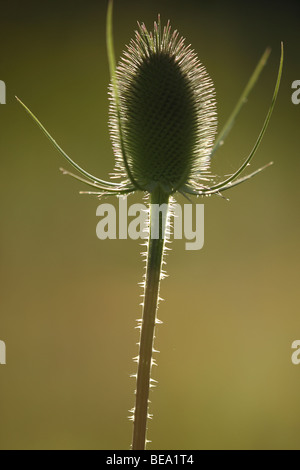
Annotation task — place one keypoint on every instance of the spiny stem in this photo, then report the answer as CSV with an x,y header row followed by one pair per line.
x,y
153,276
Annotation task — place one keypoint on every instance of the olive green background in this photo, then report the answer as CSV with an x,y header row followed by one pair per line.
x,y
69,301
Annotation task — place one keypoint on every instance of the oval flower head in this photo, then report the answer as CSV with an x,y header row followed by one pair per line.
x,y
162,123
163,113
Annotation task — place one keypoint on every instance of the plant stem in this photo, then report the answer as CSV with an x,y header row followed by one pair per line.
x,y
153,276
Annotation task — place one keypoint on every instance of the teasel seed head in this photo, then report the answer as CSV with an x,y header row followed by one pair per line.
x,y
162,112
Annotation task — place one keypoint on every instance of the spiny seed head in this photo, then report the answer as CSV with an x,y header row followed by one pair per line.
x,y
163,115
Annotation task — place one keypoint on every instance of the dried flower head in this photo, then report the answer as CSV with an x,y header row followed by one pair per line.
x,y
163,118
167,111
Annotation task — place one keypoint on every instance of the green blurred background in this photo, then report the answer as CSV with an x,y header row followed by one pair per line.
x,y
69,301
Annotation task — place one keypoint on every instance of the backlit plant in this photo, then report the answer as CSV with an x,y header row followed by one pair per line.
x,y
163,123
